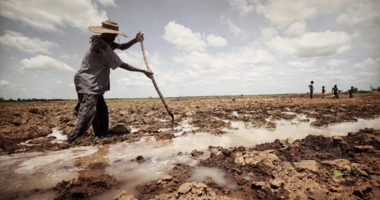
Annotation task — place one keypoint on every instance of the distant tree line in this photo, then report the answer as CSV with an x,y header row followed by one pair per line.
x,y
27,100
375,89
36,99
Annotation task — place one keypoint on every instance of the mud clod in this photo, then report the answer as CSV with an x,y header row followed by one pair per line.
x,y
119,129
125,196
84,187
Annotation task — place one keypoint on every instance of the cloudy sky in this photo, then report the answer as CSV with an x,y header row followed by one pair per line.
x,y
195,48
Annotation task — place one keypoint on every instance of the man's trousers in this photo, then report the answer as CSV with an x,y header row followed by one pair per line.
x,y
91,109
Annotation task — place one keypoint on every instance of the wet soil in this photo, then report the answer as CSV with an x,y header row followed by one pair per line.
x,y
32,123
316,167
84,187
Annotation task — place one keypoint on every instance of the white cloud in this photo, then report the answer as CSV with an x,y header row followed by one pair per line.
x,y
216,41
132,57
312,44
184,38
134,80
361,11
235,29
207,72
334,62
296,29
25,44
244,6
282,13
369,64
136,59
246,57
305,66
48,15
269,33
45,63
4,83
106,3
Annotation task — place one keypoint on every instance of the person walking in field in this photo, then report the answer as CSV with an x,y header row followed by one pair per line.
x,y
93,78
311,87
335,92
323,91
351,91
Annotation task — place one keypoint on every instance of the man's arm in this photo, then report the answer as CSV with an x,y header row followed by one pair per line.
x,y
139,37
129,67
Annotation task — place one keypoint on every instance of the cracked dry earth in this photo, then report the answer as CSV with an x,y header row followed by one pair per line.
x,y
316,167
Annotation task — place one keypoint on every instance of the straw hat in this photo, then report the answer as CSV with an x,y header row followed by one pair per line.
x,y
108,26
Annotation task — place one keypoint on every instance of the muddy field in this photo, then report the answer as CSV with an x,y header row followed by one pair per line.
x,y
342,165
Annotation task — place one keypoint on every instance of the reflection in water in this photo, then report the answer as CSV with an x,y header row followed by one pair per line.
x,y
94,164
21,173
24,172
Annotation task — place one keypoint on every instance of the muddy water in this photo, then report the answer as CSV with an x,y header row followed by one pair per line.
x,y
21,173
58,135
202,173
246,135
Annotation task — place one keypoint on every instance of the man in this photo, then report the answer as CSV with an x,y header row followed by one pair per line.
x,y
335,92
351,92
92,79
323,91
311,89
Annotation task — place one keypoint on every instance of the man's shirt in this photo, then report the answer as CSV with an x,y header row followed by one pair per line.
x,y
94,75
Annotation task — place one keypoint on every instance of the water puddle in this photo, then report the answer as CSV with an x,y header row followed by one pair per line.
x,y
235,114
21,173
184,126
133,129
58,135
289,113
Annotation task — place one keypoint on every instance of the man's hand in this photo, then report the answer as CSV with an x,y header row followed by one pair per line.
x,y
149,74
139,37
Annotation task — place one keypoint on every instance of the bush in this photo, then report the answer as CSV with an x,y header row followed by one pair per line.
x,y
355,90
375,89
364,91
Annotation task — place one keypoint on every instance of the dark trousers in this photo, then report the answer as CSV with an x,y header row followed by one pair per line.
x,y
91,109
311,94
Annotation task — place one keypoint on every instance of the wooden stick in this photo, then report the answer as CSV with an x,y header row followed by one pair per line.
x,y
155,84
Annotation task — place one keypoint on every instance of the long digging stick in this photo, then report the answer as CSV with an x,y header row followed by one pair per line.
x,y
155,84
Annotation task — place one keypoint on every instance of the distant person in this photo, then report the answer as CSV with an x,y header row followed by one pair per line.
x,y
93,78
323,92
311,87
351,91
335,92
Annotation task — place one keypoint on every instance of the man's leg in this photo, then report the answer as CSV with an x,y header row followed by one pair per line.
x,y
100,122
80,98
87,111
